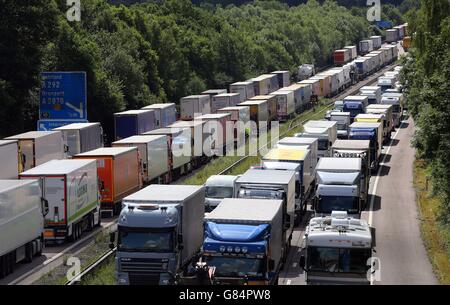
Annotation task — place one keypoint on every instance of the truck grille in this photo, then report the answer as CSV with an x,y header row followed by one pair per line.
x,y
143,271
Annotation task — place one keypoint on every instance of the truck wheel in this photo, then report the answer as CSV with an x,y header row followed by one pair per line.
x,y
91,223
2,267
297,219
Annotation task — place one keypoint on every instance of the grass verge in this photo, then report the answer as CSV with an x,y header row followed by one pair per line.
x,y
436,237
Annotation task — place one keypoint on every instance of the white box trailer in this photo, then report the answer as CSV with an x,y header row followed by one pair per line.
x,y
71,189
285,104
21,222
353,51
392,35
365,46
194,105
372,92
220,101
283,77
376,41
165,113
334,81
308,143
326,133
81,137
9,159
153,154
212,92
245,89
342,84
38,147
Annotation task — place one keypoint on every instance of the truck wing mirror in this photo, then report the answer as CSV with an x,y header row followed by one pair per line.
x,y
44,206
112,238
271,264
302,262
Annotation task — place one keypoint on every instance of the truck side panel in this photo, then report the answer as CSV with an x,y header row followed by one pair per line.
x,y
125,174
21,218
9,161
48,148
157,158
91,138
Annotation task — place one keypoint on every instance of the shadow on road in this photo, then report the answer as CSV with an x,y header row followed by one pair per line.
x,y
387,158
404,125
376,202
394,142
385,169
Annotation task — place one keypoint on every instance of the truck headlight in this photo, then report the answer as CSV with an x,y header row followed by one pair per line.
x,y
222,248
237,249
244,249
230,249
122,281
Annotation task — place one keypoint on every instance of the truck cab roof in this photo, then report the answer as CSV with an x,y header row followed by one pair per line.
x,y
297,141
365,125
287,154
352,144
221,180
338,231
326,164
266,176
163,193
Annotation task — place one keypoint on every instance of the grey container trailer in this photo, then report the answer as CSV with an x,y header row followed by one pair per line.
x,y
177,212
284,78
9,159
246,90
21,222
81,137
133,122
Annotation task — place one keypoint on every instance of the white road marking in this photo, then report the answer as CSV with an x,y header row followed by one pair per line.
x,y
375,186
288,282
52,259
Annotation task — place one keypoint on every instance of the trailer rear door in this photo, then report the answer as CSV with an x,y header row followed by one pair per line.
x,y
54,192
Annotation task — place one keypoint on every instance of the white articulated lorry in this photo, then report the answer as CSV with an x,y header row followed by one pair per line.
x,y
21,223
338,250
338,186
326,133
81,137
343,123
9,159
71,189
160,231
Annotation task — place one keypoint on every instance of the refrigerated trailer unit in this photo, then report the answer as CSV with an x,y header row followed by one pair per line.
x,y
376,42
297,142
365,46
245,89
353,51
194,105
217,125
220,101
22,211
341,56
392,35
71,189
133,122
258,112
165,114
38,147
9,159
81,137
180,149
153,156
118,174
285,104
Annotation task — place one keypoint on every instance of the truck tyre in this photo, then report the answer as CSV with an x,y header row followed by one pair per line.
x,y
91,223
2,266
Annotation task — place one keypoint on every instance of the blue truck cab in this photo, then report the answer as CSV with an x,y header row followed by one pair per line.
x,y
372,132
355,104
243,242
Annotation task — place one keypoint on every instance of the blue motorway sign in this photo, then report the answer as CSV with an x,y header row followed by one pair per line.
x,y
46,125
63,96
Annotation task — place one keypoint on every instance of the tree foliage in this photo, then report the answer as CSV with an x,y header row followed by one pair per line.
x,y
426,77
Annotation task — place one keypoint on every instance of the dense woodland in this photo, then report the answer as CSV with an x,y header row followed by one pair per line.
x,y
427,88
160,50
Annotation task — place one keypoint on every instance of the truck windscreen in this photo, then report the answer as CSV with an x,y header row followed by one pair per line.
x,y
227,266
322,144
327,204
145,240
219,192
325,259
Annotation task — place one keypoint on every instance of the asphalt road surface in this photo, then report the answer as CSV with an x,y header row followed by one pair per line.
x,y
394,214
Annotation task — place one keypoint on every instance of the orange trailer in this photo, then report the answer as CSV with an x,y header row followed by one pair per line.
x,y
118,173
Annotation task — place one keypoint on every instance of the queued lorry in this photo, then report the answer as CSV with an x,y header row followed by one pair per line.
x,y
284,78
240,116
372,132
38,147
299,160
272,101
180,150
337,249
373,94
133,122
396,100
81,137
9,159
118,172
160,231
194,105
308,143
153,156
218,187
220,101
165,113
375,118
324,131
221,138
258,113
285,104
385,83
245,89
244,243
386,111
356,149
212,92
71,190
275,185
22,212
355,104
339,186
343,123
